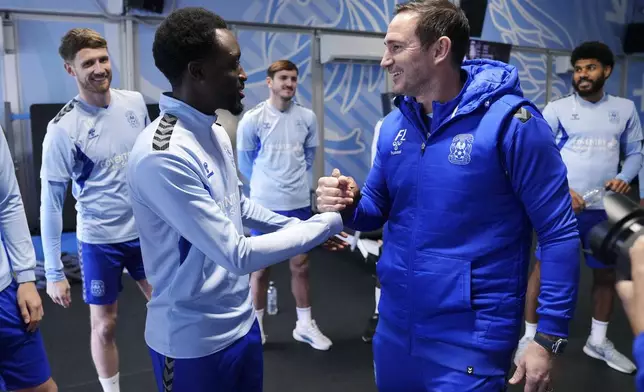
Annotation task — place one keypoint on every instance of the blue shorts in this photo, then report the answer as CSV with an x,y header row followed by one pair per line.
x,y
301,213
102,269
586,220
23,360
237,368
396,370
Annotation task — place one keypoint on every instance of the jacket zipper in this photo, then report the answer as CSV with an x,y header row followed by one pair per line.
x,y
410,261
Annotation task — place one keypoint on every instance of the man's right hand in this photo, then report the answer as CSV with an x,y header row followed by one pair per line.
x,y
336,193
578,203
534,366
60,293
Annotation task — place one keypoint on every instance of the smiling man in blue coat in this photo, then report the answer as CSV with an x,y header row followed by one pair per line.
x,y
465,170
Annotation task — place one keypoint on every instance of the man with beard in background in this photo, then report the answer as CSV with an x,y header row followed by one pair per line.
x,y
591,129
89,142
276,143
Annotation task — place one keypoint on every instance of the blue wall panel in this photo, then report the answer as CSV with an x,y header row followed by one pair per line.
x,y
352,108
352,103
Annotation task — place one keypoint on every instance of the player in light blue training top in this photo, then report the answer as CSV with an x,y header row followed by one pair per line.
x,y
89,143
201,327
276,143
24,365
592,129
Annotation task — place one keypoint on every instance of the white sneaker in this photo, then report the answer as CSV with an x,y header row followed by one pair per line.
x,y
607,353
311,334
523,343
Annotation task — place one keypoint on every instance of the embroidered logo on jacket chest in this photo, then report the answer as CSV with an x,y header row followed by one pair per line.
x,y
460,151
398,141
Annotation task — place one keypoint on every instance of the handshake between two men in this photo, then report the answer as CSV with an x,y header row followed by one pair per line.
x,y
337,193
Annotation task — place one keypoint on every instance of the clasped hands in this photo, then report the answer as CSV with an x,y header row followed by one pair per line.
x,y
335,194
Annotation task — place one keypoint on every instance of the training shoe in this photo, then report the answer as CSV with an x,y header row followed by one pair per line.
x,y
367,335
607,353
311,334
523,343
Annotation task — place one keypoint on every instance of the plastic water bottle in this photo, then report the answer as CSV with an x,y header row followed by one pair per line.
x,y
272,299
594,196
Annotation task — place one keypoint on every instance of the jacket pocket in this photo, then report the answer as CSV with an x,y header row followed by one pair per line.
x,y
440,286
393,274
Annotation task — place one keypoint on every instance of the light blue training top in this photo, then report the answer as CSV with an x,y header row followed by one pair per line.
x,y
275,151
591,137
190,213
17,256
90,146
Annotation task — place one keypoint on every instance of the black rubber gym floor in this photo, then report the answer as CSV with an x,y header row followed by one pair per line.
x,y
342,289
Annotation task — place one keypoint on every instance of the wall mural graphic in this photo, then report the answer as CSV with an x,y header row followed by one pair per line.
x,y
351,91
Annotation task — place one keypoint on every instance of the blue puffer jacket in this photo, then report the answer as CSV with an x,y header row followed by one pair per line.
x,y
461,193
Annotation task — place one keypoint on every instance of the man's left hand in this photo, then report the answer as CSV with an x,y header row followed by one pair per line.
x,y
618,186
30,305
334,243
534,366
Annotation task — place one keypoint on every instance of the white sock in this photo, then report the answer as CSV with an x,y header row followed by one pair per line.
x,y
530,329
377,299
110,384
260,319
598,332
304,315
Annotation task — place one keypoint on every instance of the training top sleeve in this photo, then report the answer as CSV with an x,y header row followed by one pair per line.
x,y
539,178
550,115
632,152
52,198
248,145
13,221
260,218
58,155
170,187
312,140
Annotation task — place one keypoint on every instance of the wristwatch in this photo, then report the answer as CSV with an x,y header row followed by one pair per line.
x,y
552,344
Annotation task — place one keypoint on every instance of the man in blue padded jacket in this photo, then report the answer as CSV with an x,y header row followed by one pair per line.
x,y
201,327
465,169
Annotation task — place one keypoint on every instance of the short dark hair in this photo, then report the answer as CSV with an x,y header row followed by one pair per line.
x,y
593,50
78,39
437,18
186,35
281,65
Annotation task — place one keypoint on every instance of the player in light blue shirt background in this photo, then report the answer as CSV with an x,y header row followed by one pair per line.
x,y
201,328
89,143
593,130
276,144
23,361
